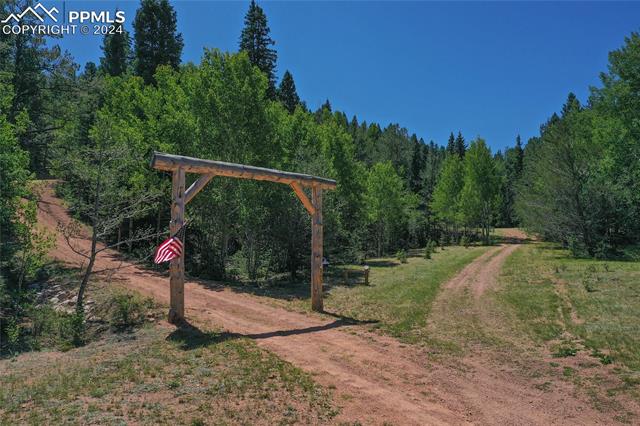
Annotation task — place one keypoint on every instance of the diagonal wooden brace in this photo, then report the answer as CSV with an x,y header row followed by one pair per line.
x,y
197,186
303,198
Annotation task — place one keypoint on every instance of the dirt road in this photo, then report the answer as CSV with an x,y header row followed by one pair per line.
x,y
376,378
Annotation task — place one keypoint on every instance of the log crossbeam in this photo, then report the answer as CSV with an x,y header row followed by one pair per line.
x,y
179,165
170,163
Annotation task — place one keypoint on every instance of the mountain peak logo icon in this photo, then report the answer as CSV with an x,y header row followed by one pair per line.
x,y
44,12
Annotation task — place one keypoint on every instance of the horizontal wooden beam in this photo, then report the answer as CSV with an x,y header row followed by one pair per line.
x,y
170,162
303,198
197,186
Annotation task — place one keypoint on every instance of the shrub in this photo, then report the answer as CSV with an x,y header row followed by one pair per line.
x,y
427,251
402,256
430,249
128,310
53,329
464,241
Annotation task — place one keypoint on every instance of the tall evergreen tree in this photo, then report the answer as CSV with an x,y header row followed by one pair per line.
x,y
451,144
460,145
519,152
287,93
510,168
90,70
256,41
417,165
157,41
572,104
116,49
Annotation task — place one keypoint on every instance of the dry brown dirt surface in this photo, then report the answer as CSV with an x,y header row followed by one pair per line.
x,y
376,379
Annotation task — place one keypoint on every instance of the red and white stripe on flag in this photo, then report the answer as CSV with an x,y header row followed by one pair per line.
x,y
170,249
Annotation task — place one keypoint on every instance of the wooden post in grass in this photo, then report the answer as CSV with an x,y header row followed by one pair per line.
x,y
176,267
316,249
179,165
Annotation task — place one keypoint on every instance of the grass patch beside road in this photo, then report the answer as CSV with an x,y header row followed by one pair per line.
x,y
160,376
400,295
597,301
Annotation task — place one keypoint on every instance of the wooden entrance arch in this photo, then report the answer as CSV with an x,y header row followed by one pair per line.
x,y
179,165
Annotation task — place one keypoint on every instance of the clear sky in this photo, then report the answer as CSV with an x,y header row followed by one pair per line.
x,y
493,69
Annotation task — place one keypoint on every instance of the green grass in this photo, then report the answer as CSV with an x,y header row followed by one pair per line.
x,y
400,296
531,294
596,301
156,376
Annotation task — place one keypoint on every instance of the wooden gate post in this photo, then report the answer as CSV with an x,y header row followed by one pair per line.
x,y
176,267
316,249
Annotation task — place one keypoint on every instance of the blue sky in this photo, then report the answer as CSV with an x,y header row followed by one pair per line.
x,y
493,69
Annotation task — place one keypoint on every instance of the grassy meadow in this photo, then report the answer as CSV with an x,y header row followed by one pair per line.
x,y
584,314
156,375
595,301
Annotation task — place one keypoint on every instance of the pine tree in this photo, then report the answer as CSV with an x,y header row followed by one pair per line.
x,y
157,41
572,104
287,93
255,40
116,48
90,71
460,146
451,145
417,165
519,156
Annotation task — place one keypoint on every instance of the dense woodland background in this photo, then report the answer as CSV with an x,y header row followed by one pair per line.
x,y
577,183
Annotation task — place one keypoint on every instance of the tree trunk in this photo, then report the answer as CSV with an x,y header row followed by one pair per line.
x,y
158,218
225,250
87,274
130,246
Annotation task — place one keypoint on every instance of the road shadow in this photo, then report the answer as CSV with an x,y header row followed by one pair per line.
x,y
382,263
189,336
283,288
500,239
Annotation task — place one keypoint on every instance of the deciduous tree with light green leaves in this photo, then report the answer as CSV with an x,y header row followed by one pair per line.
x,y
480,195
388,205
446,195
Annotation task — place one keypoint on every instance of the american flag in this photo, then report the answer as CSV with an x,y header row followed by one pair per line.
x,y
171,248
